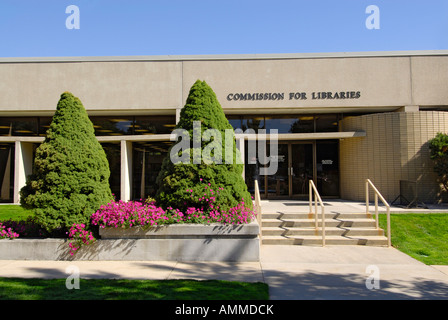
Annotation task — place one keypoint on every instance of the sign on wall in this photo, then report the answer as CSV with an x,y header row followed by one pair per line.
x,y
319,95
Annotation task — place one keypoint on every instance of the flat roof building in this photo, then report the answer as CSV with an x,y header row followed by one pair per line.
x,y
341,117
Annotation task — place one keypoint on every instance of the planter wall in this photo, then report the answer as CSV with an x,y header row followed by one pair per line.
x,y
183,242
185,231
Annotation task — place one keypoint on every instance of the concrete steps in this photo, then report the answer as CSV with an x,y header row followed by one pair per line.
x,y
329,240
309,223
295,228
332,231
328,215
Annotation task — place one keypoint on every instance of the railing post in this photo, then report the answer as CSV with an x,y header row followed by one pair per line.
x,y
388,228
315,211
376,210
310,196
323,226
258,206
313,191
367,196
378,195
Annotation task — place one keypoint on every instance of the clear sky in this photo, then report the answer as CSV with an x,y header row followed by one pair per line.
x,y
35,28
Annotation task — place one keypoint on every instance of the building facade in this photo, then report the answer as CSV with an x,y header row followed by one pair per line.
x,y
341,118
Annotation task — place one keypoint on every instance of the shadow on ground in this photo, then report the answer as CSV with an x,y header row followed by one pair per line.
x,y
306,285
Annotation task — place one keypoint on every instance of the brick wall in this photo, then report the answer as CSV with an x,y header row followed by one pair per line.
x,y
395,148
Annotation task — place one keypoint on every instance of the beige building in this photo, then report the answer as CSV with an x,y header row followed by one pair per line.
x,y
341,117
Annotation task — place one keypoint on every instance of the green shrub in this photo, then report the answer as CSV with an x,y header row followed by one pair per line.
x,y
438,147
70,177
176,182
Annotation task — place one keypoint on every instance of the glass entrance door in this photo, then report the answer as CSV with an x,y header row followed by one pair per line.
x,y
294,169
301,168
327,168
297,163
278,183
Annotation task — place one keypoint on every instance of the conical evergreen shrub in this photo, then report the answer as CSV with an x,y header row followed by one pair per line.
x,y
177,182
70,177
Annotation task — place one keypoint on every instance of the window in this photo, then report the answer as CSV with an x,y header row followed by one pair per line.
x,y
138,125
6,172
113,154
147,162
327,123
21,126
154,124
235,121
303,124
254,122
287,123
110,126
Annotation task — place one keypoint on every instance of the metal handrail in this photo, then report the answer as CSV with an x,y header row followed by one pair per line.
x,y
378,195
313,189
257,205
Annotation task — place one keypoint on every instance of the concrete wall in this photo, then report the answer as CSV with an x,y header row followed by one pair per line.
x,y
395,148
429,81
381,81
111,86
138,86
186,242
134,250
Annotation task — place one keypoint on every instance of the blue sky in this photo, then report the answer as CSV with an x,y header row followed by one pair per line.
x,y
31,28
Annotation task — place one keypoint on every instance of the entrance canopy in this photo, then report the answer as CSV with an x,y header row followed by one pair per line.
x,y
304,136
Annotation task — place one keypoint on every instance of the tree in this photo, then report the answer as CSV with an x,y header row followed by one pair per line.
x,y
438,147
70,177
177,181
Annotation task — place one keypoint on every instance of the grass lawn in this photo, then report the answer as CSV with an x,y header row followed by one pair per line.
x,y
421,236
106,289
15,212
103,289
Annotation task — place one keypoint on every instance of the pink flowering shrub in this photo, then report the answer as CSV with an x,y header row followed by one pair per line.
x,y
208,211
7,233
29,228
126,214
123,214
79,236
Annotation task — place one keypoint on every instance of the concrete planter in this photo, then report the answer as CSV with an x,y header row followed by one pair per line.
x,y
184,231
182,242
193,242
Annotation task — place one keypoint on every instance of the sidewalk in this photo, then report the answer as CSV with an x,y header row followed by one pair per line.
x,y
339,205
340,272
292,272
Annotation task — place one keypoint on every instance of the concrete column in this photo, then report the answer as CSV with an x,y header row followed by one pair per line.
x,y
126,171
408,109
240,147
23,166
178,115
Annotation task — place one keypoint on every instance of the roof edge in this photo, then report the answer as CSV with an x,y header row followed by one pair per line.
x,y
273,56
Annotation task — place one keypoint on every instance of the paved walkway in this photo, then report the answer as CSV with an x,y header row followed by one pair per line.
x,y
292,272
338,205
